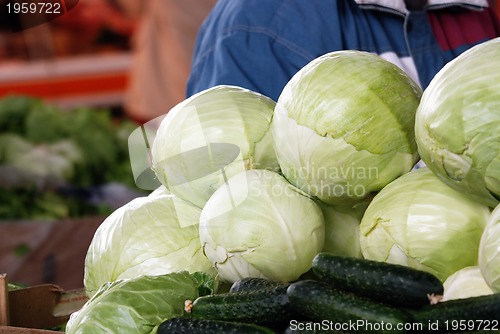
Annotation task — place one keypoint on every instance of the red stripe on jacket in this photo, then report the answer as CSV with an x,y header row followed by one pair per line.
x,y
453,30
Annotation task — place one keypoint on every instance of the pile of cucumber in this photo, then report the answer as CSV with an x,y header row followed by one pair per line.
x,y
340,295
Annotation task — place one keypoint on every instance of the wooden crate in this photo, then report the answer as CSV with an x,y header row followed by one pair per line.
x,y
31,309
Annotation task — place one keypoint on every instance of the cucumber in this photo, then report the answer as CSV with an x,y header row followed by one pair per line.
x,y
202,326
389,283
318,301
466,315
264,307
254,283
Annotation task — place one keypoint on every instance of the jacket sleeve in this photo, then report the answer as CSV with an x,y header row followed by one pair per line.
x,y
250,57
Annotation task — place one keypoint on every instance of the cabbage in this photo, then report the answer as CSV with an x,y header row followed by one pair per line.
x,y
57,160
161,191
466,282
259,225
344,126
150,235
210,137
136,305
419,221
458,122
489,251
342,229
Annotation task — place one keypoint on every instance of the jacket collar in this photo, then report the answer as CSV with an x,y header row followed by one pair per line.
x,y
399,7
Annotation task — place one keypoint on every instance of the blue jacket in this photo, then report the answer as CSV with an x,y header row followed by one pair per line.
x,y
261,44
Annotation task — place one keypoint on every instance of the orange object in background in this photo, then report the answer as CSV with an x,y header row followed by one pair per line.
x,y
87,80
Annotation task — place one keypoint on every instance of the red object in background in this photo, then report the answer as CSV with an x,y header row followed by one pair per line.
x,y
70,85
93,80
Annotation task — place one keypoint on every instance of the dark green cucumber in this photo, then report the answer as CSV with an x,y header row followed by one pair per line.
x,y
318,301
268,306
475,313
389,283
254,283
203,326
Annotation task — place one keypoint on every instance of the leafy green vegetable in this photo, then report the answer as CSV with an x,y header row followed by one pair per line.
x,y
58,157
419,221
464,283
259,225
210,137
207,284
342,228
93,132
458,122
136,305
45,123
12,286
13,113
12,145
150,235
343,126
489,251
28,203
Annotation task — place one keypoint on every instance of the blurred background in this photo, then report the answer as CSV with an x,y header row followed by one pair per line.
x,y
72,90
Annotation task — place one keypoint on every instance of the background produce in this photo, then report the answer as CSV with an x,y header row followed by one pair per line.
x,y
414,219
56,163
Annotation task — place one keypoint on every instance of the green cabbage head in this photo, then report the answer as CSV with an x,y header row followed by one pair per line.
x,y
137,305
342,228
151,235
458,123
211,136
466,282
489,251
259,225
344,126
419,221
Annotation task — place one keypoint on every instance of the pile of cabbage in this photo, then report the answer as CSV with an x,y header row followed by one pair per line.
x,y
254,187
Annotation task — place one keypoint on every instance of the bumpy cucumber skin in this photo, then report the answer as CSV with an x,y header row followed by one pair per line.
x,y
254,284
318,301
203,326
268,306
389,283
480,309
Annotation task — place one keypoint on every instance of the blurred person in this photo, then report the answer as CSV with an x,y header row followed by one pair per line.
x,y
261,44
162,51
